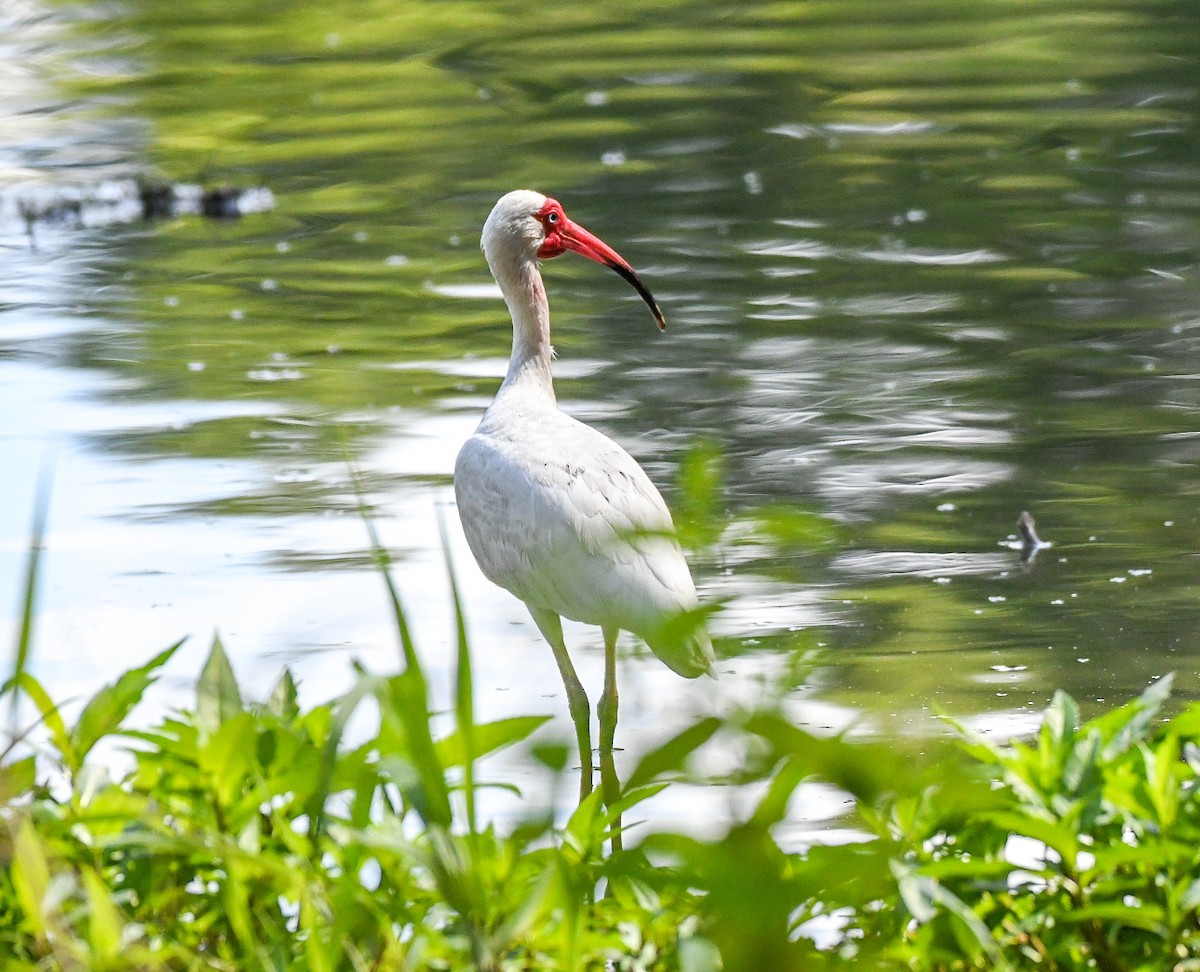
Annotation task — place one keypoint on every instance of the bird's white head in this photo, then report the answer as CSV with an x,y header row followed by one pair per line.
x,y
525,226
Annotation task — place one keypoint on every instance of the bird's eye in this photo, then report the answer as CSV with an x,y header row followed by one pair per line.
x,y
552,218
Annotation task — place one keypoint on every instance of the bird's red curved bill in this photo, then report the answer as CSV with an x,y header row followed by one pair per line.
x,y
575,237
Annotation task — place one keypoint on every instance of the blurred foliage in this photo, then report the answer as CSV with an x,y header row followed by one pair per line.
x,y
264,835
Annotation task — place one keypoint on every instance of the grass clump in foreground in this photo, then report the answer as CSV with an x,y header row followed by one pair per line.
x,y
255,836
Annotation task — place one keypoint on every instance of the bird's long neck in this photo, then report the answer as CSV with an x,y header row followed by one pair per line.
x,y
529,366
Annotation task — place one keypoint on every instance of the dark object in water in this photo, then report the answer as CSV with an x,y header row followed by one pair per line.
x,y
221,202
30,208
157,197
1031,543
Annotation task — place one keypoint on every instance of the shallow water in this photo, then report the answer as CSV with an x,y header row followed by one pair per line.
x,y
921,274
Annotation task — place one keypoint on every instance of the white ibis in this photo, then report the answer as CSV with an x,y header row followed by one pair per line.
x,y
556,512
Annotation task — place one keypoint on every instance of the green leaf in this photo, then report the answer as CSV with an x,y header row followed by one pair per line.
x,y
1161,782
488,738
630,798
586,827
107,709
772,808
672,754
699,955
1134,722
104,921
283,698
791,526
404,708
31,876
923,896
1064,841
1114,914
533,909
914,892
1058,724
698,520
1080,773
229,755
217,695
329,752
50,714
1191,897
17,777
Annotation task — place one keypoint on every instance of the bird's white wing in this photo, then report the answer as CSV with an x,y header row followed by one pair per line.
x,y
563,517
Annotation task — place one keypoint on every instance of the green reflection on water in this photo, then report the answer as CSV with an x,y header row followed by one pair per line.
x,y
912,254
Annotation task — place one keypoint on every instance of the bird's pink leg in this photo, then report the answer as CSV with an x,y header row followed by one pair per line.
x,y
577,701
607,713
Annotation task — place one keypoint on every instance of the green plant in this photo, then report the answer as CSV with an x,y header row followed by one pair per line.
x,y
347,835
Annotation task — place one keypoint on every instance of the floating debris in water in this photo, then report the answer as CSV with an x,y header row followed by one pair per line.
x,y
28,207
1030,542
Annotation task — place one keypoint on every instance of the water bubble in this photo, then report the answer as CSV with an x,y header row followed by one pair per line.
x,y
283,246
269,284
195,366
171,301
596,99
361,236
997,598
946,508
614,158
237,314
916,215
396,260
753,182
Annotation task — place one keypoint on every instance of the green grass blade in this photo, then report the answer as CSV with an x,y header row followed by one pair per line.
x,y
464,697
383,560
41,510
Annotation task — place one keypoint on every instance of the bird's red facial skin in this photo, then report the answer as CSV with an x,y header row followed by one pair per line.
x,y
563,235
553,219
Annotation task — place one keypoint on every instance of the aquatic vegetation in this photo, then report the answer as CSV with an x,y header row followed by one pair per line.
x,y
265,835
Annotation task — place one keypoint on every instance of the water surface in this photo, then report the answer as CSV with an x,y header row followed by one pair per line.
x,y
925,266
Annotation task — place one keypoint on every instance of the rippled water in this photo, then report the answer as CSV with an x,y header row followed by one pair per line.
x,y
925,266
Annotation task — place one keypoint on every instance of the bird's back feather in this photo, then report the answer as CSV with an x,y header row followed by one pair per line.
x,y
565,519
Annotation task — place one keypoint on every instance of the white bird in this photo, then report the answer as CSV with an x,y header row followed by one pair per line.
x,y
556,512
